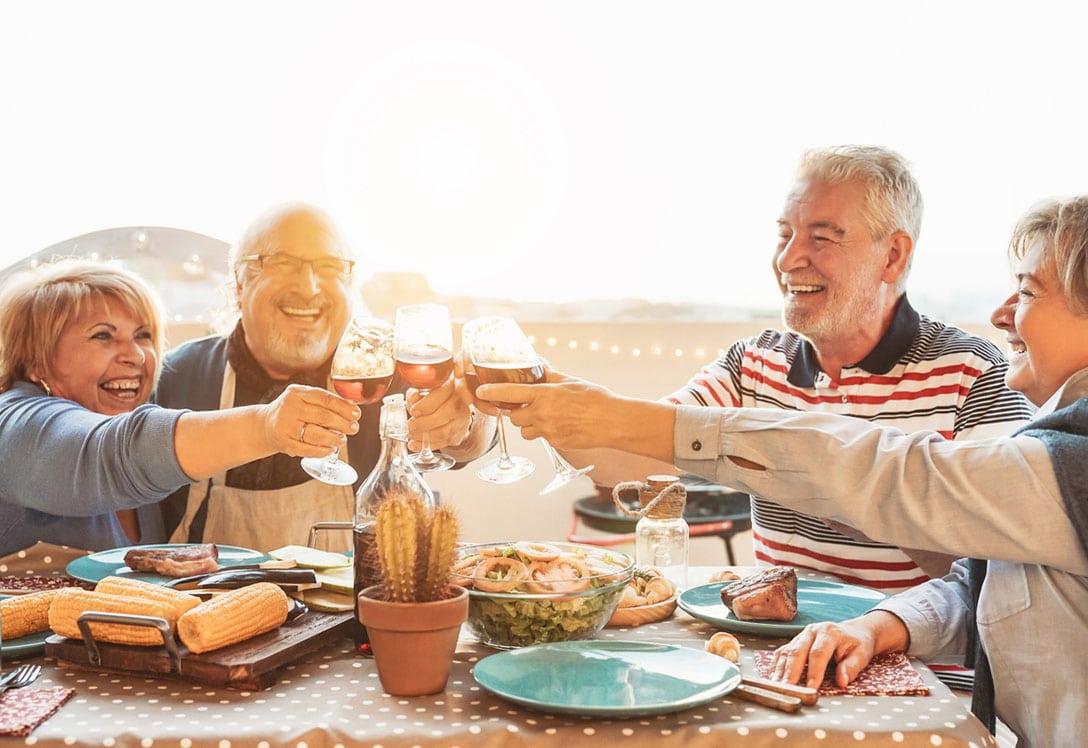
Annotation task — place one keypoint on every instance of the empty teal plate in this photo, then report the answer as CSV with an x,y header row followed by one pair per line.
x,y
607,678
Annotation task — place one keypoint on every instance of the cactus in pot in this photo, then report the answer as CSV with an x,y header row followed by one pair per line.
x,y
416,548
413,616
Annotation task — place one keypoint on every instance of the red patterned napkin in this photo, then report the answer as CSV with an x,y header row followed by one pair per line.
x,y
887,675
23,709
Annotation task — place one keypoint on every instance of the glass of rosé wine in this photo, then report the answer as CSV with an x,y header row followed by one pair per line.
x,y
494,349
362,369
497,350
423,349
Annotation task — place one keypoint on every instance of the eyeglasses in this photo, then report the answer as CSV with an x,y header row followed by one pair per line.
x,y
283,263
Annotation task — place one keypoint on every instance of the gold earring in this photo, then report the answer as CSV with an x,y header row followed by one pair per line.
x,y
45,386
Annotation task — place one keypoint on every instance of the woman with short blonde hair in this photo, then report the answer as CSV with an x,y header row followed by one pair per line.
x,y
80,345
38,304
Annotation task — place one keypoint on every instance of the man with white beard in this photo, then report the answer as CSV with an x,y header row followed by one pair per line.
x,y
292,277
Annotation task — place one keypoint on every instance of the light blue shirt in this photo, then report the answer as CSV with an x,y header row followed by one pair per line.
x,y
996,499
65,470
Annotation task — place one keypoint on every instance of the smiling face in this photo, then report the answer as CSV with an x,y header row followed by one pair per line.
x,y
838,284
104,359
293,319
1047,342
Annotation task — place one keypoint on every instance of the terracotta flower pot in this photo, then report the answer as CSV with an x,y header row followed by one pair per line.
x,y
413,643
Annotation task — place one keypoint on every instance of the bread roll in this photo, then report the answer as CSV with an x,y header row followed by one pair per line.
x,y
724,645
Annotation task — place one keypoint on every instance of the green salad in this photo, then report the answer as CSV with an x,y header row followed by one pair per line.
x,y
530,593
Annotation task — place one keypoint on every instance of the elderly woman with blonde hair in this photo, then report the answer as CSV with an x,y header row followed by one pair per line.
x,y
80,345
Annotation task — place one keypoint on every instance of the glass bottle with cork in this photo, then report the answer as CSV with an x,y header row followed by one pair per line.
x,y
393,473
661,534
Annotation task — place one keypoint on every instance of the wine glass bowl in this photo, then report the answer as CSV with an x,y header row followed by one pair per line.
x,y
423,351
513,373
363,365
362,370
497,351
425,368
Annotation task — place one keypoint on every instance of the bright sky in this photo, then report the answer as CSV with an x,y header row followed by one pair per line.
x,y
548,150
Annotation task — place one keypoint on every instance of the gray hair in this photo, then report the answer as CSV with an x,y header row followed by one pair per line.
x,y
893,200
1063,225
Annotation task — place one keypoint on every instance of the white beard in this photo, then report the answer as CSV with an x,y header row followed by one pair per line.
x,y
298,353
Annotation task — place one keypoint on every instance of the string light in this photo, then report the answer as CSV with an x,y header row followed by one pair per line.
x,y
698,354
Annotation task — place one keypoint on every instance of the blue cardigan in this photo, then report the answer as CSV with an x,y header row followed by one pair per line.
x,y
64,471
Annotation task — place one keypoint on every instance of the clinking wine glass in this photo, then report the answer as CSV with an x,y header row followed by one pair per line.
x,y
362,369
423,349
496,350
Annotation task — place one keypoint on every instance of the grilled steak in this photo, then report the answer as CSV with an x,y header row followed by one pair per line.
x,y
769,595
184,561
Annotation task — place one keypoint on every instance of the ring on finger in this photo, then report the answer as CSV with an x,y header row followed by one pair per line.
x,y
302,433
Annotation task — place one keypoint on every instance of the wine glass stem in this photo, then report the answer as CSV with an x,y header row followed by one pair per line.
x,y
561,466
425,453
504,456
328,467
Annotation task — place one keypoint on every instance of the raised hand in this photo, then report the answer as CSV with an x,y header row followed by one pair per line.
x,y
443,414
308,421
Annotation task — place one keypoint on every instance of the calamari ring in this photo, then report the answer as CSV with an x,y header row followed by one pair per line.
x,y
537,551
499,574
564,575
462,572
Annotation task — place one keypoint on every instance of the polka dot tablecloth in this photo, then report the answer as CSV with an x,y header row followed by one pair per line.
x,y
332,698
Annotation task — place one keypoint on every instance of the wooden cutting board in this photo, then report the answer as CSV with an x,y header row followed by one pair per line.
x,y
248,665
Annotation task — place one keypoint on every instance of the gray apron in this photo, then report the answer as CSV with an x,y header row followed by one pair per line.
x,y
266,520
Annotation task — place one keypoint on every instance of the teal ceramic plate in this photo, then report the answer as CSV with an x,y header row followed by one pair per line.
x,y
607,678
98,566
816,601
30,645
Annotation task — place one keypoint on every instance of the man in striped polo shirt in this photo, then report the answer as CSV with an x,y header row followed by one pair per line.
x,y
856,346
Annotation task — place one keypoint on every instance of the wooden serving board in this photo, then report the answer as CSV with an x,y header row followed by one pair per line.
x,y
248,665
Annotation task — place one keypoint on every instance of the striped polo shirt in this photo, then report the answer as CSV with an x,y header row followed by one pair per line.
x,y
923,375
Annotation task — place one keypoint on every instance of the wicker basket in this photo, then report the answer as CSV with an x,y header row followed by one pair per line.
x,y
641,614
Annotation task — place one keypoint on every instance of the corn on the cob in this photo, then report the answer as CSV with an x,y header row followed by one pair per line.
x,y
233,616
71,603
25,614
179,602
